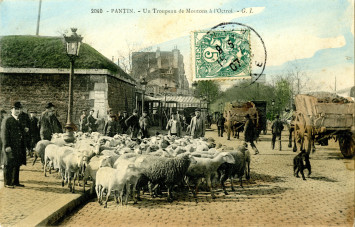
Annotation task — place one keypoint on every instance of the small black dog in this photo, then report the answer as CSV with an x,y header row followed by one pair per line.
x,y
301,162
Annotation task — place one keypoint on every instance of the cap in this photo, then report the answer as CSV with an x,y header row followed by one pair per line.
x,y
145,111
17,105
92,110
49,105
247,116
277,116
2,111
198,109
135,111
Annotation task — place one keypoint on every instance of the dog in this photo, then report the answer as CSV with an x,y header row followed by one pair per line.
x,y
301,162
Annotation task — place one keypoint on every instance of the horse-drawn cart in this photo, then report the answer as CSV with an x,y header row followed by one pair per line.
x,y
234,114
320,117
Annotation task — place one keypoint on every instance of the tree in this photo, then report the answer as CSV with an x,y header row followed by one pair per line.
x,y
207,89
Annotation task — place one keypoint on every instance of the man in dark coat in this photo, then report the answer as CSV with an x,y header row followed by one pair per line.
x,y
277,128
133,123
13,147
250,133
83,122
34,130
111,128
25,123
220,124
123,123
2,116
49,123
91,122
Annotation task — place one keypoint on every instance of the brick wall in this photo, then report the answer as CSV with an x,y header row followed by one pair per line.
x,y
34,91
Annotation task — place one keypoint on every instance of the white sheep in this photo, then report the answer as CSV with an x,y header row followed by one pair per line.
x,y
205,168
71,162
114,179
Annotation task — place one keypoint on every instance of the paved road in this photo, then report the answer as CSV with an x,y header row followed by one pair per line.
x,y
273,197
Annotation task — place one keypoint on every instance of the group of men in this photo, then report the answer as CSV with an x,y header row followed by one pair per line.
x,y
21,132
250,134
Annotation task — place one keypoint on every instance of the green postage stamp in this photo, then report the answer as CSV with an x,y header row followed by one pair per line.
x,y
221,54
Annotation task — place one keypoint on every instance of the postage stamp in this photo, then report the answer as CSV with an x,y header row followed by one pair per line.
x,y
221,54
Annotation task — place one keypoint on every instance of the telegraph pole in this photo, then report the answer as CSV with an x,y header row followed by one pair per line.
x,y
39,17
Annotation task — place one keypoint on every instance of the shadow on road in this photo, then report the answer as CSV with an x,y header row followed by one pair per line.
x,y
320,178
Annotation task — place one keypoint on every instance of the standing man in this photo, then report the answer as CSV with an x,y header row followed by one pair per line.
x,y
249,133
174,126
220,124
144,124
49,123
277,128
91,122
110,128
25,123
197,125
133,123
13,148
2,116
34,130
83,122
122,122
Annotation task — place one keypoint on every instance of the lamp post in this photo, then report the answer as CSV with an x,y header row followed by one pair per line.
x,y
73,43
163,117
272,104
143,83
200,101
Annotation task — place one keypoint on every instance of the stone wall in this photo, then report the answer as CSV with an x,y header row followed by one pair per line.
x,y
34,91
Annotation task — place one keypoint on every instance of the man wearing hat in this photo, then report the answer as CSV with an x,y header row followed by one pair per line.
x,y
122,122
24,119
91,122
13,147
133,123
111,128
49,123
197,125
276,128
34,130
144,124
250,133
83,122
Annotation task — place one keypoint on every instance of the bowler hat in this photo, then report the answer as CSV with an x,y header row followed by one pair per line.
x,y
49,105
17,105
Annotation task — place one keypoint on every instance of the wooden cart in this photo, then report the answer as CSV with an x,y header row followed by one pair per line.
x,y
320,119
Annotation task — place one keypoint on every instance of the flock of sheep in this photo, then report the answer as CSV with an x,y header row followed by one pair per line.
x,y
122,165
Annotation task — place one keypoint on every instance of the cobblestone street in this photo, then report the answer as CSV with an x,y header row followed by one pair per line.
x,y
273,197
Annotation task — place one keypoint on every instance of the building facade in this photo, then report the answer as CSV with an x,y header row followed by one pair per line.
x,y
160,68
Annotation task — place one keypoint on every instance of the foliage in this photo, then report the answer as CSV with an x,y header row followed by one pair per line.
x,y
208,90
49,52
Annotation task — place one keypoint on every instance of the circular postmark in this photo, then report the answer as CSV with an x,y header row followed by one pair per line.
x,y
228,50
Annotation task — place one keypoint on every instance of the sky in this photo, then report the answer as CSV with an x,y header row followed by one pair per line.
x,y
315,35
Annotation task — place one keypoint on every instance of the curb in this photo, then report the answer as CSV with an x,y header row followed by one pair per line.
x,y
55,210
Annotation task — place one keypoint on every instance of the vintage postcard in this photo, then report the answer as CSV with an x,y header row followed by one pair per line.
x,y
245,110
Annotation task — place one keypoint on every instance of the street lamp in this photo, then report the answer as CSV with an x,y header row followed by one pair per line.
x,y
143,83
73,43
164,107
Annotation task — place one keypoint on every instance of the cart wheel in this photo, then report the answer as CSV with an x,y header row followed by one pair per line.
x,y
347,145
